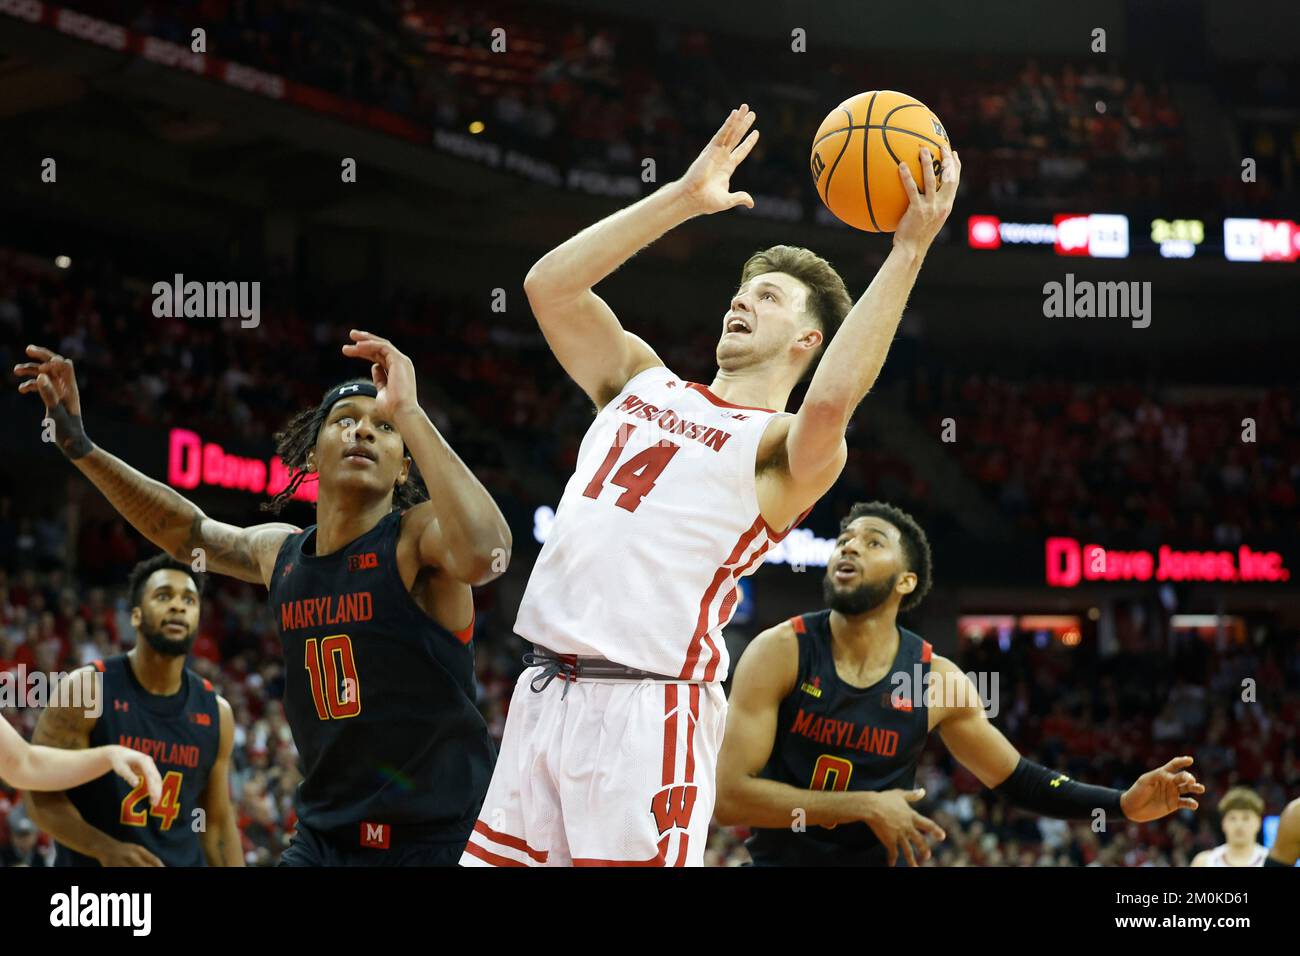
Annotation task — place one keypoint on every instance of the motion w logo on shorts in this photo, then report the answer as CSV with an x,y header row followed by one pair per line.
x,y
672,807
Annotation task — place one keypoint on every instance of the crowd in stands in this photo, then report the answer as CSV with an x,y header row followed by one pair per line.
x,y
1044,452
1127,461
585,90
1104,720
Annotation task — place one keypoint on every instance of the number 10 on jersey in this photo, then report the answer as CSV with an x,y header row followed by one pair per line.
x,y
333,673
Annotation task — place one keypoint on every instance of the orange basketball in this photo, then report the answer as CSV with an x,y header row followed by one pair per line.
x,y
856,152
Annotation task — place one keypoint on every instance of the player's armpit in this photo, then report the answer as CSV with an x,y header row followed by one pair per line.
x,y
965,727
470,552
764,676
245,553
815,444
784,496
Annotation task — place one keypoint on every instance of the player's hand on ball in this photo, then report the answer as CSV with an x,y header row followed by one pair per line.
x,y
391,371
133,766
52,377
707,183
927,210
1158,793
894,822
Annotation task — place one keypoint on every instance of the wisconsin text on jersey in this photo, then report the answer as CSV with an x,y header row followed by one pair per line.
x,y
673,424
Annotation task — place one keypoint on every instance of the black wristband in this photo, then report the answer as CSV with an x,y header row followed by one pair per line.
x,y
69,434
1034,787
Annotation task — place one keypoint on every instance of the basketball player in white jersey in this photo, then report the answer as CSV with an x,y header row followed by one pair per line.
x,y
1241,813
679,491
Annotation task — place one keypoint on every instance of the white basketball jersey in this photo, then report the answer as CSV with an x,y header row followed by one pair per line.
x,y
656,527
1219,856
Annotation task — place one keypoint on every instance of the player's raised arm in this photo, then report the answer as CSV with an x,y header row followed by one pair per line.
x,y
980,747
764,677
158,512
856,355
66,725
580,327
460,529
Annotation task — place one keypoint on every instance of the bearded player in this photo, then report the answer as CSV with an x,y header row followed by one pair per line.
x,y
679,491
151,702
373,605
830,712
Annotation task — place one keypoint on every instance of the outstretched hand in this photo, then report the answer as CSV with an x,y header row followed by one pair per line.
x,y
391,371
52,377
707,183
1158,793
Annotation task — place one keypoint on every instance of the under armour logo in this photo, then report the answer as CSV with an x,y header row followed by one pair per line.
x,y
349,388
671,384
121,705
739,416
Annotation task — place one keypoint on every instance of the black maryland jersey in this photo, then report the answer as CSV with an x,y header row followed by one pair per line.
x,y
380,698
833,736
182,732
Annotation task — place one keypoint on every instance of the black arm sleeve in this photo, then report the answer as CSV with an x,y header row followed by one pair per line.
x,y
1033,787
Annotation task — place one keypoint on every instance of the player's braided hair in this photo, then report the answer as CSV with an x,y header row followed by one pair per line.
x,y
916,546
298,439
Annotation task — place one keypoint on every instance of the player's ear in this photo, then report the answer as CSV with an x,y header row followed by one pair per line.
x,y
311,461
405,473
136,616
907,582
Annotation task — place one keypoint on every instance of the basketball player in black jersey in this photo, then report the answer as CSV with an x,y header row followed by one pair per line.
x,y
151,702
26,766
373,603
1286,844
829,712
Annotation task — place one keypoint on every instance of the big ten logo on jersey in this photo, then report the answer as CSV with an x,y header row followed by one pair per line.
x,y
363,562
672,806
